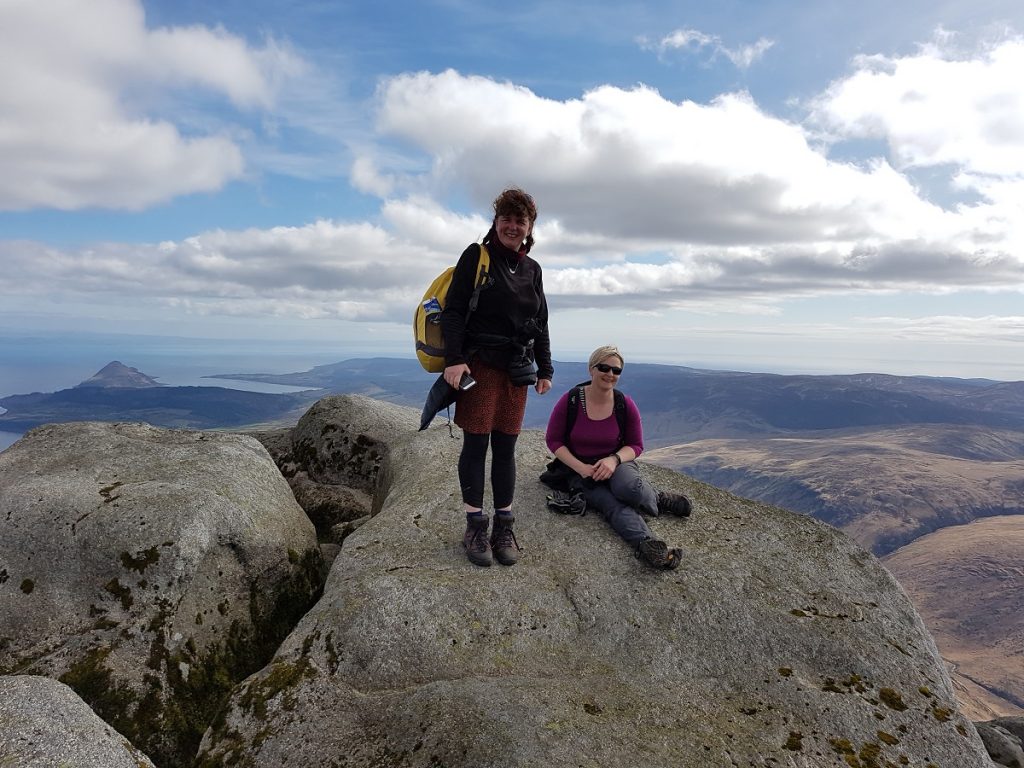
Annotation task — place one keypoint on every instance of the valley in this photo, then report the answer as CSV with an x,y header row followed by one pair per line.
x,y
967,582
885,487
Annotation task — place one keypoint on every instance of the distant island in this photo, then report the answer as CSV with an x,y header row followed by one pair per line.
x,y
118,392
118,375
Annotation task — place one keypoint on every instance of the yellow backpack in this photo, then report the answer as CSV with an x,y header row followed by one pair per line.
x,y
426,321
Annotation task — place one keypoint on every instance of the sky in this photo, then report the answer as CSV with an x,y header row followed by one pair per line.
x,y
782,185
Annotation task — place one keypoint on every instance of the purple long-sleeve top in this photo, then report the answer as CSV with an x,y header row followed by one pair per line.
x,y
592,440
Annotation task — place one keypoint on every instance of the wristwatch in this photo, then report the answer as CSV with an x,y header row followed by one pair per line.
x,y
618,458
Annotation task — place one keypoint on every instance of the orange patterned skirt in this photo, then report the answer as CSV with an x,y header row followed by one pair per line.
x,y
492,405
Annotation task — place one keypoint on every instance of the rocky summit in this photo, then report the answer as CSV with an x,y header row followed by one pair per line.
x,y
779,642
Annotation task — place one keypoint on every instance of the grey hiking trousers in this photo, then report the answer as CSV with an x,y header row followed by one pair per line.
x,y
621,499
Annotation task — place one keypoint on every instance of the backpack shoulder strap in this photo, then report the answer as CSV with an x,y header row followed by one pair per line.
x,y
483,279
573,410
620,415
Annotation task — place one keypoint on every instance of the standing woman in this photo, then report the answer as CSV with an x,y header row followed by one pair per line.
x,y
596,434
504,345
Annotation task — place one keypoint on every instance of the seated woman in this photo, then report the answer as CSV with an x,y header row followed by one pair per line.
x,y
596,433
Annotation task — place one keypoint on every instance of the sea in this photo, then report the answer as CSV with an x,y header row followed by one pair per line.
x,y
47,363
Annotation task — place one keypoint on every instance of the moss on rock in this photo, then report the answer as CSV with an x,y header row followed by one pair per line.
x,y
95,684
180,699
140,561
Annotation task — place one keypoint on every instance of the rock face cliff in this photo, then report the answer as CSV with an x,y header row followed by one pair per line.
x,y
779,642
1002,738
44,724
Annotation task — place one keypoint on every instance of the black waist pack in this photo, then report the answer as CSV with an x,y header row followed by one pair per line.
x,y
557,476
522,367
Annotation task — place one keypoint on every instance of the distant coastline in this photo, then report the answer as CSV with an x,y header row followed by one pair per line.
x,y
48,362
7,439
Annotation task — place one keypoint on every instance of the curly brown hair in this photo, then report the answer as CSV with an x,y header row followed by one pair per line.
x,y
514,202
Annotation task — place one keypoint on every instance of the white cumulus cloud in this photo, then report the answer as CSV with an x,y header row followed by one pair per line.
x,y
75,131
653,203
936,108
343,270
631,165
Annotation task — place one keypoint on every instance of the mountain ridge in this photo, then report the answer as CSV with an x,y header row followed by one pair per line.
x,y
679,403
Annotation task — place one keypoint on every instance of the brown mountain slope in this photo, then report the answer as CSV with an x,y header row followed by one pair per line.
x,y
967,582
884,487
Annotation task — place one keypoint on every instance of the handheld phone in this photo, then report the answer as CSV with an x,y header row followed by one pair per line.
x,y
466,382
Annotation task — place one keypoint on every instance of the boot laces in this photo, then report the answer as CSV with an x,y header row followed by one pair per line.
x,y
653,551
478,538
504,537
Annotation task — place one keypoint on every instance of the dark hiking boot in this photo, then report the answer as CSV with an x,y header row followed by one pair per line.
x,y
674,504
657,553
503,541
475,540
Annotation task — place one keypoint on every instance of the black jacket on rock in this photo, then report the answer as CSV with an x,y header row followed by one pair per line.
x,y
503,310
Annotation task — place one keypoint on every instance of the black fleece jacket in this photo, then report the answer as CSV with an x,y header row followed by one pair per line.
x,y
503,309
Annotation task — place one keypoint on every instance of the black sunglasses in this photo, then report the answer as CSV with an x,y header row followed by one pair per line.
x,y
605,368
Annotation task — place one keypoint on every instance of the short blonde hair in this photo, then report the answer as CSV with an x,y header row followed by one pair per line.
x,y
601,353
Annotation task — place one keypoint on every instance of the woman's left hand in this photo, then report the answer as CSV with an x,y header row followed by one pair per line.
x,y
542,386
604,468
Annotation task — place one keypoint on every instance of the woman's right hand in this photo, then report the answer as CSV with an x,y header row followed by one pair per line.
x,y
604,468
453,374
585,470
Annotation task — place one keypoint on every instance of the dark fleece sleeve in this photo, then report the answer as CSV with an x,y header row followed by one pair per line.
x,y
542,343
453,318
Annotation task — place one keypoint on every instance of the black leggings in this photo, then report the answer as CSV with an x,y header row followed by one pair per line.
x,y
503,468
